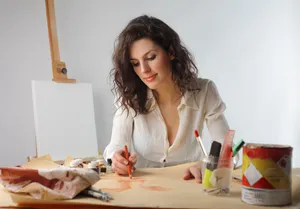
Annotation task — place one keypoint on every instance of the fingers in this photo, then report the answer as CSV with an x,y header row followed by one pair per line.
x,y
119,156
119,162
133,158
196,173
119,168
187,175
193,172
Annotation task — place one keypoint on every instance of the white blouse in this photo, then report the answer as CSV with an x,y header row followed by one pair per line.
x,y
146,134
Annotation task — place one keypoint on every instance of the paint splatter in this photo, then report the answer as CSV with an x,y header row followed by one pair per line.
x,y
155,188
121,187
124,184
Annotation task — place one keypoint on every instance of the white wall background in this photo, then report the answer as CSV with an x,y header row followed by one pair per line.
x,y
249,48
24,56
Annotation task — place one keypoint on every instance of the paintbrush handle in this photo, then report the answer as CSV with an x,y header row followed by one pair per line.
x,y
199,140
95,194
127,157
201,145
101,192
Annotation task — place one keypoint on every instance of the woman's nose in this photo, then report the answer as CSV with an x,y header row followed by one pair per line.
x,y
145,68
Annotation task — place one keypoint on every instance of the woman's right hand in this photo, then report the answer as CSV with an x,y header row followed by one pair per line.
x,y
120,164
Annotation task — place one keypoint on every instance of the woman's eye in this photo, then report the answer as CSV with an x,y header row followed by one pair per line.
x,y
135,64
152,57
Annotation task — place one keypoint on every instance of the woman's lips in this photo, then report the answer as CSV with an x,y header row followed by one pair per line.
x,y
150,78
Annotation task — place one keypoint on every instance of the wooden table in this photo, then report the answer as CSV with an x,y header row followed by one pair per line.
x,y
151,188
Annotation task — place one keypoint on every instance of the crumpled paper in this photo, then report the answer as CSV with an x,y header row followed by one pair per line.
x,y
48,184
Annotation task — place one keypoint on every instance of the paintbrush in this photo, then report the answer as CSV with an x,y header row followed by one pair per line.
x,y
97,194
201,145
237,147
129,164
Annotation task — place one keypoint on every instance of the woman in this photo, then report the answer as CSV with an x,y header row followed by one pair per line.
x,y
160,100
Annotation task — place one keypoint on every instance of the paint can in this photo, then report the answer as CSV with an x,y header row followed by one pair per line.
x,y
267,174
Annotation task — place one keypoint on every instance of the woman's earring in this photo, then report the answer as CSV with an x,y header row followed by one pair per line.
x,y
172,57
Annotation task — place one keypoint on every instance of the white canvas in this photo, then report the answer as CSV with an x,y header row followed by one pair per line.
x,y
64,119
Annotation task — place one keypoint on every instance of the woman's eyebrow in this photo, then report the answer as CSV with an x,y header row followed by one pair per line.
x,y
145,54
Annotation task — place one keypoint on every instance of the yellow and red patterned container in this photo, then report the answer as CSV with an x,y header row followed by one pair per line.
x,y
267,174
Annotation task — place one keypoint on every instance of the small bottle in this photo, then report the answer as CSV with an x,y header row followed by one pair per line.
x,y
100,162
108,166
101,166
77,163
94,166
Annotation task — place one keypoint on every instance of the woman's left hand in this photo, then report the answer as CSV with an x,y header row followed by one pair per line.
x,y
193,172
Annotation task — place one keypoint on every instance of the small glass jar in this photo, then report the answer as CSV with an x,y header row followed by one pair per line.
x,y
216,174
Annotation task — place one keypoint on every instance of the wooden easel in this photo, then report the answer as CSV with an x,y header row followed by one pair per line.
x,y
59,69
60,75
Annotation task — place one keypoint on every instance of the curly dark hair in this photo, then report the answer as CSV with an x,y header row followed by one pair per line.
x,y
131,91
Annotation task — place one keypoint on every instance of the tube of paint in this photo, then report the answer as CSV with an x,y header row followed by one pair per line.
x,y
226,152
